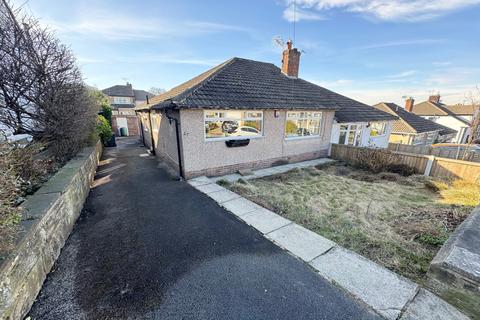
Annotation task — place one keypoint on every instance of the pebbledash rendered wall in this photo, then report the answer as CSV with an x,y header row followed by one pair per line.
x,y
203,157
49,217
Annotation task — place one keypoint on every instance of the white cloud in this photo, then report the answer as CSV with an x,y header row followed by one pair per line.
x,y
386,10
298,14
119,26
399,43
157,58
333,84
394,94
404,74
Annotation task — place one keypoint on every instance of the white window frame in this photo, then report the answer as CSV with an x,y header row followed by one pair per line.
x,y
422,141
384,129
359,127
205,119
320,118
121,100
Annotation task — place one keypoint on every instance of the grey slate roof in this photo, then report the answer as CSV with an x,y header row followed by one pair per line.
x,y
410,122
119,91
140,95
247,84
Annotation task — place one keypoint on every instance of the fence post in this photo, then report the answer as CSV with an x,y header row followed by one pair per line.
x,y
428,167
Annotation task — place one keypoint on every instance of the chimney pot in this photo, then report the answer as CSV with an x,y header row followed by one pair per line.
x,y
291,60
409,104
434,98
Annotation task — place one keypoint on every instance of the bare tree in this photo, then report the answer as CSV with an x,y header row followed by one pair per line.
x,y
156,90
41,84
473,98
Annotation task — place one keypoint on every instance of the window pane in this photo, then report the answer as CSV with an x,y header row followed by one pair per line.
x,y
351,137
214,129
343,137
301,124
377,129
233,124
358,138
291,129
344,127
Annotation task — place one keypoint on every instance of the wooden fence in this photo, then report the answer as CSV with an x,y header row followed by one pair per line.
x,y
428,165
442,151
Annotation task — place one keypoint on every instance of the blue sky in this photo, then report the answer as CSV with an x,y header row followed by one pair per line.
x,y
371,50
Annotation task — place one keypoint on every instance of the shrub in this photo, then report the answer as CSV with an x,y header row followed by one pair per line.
x,y
374,160
432,240
104,130
389,176
401,169
22,171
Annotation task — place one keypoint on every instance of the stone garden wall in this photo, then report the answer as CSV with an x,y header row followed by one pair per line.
x,y
454,273
49,217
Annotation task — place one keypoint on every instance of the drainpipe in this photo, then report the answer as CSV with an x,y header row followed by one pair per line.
x,y
151,132
177,133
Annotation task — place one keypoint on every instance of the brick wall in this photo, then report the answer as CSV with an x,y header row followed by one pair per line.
x,y
255,165
132,124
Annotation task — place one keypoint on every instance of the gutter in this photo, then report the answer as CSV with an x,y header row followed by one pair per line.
x,y
177,134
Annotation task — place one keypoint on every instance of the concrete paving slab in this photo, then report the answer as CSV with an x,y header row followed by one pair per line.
x,y
223,196
240,206
199,181
301,242
265,220
230,177
386,292
427,306
208,188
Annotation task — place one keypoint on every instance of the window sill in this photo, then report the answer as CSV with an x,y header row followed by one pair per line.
x,y
301,138
231,138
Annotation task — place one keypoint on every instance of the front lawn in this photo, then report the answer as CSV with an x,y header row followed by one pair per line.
x,y
399,222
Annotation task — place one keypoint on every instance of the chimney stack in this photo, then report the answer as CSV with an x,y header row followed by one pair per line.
x,y
434,99
409,104
291,60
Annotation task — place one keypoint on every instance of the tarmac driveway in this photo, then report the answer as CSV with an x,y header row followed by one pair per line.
x,y
149,247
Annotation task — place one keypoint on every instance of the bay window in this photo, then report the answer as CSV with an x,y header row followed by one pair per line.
x,y
302,124
233,124
350,134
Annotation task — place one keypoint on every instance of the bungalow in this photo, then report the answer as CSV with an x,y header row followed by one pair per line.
x,y
412,129
362,125
241,114
455,117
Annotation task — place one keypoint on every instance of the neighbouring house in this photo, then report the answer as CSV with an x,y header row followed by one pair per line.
x,y
123,99
361,125
413,129
456,117
240,115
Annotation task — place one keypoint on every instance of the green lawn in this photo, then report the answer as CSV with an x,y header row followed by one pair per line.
x,y
399,222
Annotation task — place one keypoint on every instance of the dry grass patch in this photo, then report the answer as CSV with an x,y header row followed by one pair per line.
x,y
394,220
